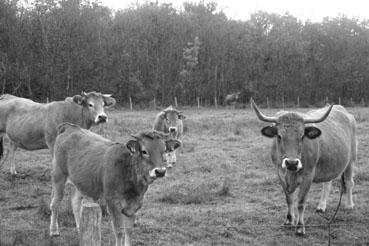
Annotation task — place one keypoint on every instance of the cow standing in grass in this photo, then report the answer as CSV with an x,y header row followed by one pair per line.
x,y
231,99
318,146
170,121
31,126
101,169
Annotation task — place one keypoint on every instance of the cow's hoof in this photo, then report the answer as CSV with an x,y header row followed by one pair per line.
x,y
54,234
288,223
300,231
320,210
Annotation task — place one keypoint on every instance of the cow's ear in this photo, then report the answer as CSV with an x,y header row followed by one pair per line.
x,y
312,132
162,115
269,131
172,144
79,99
133,146
108,100
181,116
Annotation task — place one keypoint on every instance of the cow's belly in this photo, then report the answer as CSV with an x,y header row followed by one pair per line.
x,y
28,135
331,167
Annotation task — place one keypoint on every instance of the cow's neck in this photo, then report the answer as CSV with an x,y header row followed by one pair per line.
x,y
78,115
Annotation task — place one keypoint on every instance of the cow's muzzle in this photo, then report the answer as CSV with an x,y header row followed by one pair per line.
x,y
158,172
291,164
172,129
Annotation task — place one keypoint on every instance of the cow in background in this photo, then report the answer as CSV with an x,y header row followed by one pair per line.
x,y
31,126
318,146
170,121
118,173
231,99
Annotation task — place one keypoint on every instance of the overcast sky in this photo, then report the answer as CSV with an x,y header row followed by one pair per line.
x,y
313,10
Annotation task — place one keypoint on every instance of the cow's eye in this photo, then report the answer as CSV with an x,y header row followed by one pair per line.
x,y
279,138
90,105
144,152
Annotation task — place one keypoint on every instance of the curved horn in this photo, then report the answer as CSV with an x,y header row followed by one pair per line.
x,y
83,93
319,118
260,115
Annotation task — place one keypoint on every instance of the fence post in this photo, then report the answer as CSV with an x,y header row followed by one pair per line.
x,y
47,99
268,106
154,102
215,103
326,100
298,102
175,102
352,102
362,102
90,224
198,102
339,100
130,103
283,102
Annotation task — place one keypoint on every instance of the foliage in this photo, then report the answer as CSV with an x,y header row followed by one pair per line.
x,y
56,48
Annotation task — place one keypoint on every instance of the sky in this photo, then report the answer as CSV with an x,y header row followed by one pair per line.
x,y
313,10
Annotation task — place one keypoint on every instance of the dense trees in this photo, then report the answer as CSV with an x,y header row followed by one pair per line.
x,y
56,48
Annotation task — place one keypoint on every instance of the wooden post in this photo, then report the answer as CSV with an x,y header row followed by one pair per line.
x,y
326,100
90,224
130,103
339,100
362,102
154,102
283,102
268,105
298,102
47,99
215,103
352,102
198,102
175,102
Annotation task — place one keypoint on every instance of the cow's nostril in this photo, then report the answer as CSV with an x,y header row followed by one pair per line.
x,y
172,130
102,118
160,172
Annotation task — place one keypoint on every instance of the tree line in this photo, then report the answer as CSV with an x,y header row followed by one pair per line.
x,y
56,48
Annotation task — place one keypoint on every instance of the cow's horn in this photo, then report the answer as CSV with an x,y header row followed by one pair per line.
x,y
318,119
260,115
83,93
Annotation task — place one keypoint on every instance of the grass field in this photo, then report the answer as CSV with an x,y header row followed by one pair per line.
x,y
223,191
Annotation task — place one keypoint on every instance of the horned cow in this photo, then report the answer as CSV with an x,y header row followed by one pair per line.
x,y
318,146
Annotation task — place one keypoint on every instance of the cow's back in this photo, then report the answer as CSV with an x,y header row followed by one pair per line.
x,y
337,143
80,154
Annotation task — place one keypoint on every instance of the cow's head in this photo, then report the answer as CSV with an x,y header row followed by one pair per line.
x,y
94,103
289,129
150,148
172,118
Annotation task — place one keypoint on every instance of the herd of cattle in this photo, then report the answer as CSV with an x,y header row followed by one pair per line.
x,y
318,146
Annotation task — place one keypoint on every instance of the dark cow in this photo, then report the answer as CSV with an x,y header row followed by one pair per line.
x,y
32,126
318,146
101,169
231,99
170,121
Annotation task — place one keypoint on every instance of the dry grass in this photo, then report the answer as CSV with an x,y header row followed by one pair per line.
x,y
223,191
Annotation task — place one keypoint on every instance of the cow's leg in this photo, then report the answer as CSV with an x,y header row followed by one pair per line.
x,y
58,183
117,221
12,149
290,209
347,185
301,200
5,152
76,205
323,197
128,228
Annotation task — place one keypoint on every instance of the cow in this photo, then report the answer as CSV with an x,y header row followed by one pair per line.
x,y
231,99
317,146
31,126
101,169
170,121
